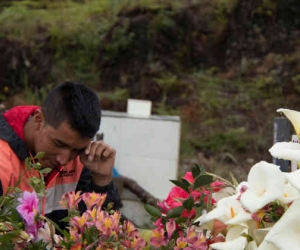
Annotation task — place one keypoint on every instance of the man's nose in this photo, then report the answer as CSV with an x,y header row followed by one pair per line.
x,y
63,157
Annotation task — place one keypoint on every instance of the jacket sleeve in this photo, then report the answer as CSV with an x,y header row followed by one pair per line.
x,y
1,189
86,185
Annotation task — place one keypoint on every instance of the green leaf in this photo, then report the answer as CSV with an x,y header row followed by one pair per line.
x,y
15,217
203,180
28,163
196,171
185,183
189,203
66,219
39,155
8,237
17,190
36,180
171,244
202,170
180,220
199,204
153,211
181,184
175,212
36,166
45,170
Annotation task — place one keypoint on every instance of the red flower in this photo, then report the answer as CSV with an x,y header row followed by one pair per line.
x,y
217,186
189,177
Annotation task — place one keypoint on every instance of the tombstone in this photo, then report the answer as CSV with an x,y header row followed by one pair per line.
x,y
147,146
282,132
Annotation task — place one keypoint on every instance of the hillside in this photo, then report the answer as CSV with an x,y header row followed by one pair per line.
x,y
223,66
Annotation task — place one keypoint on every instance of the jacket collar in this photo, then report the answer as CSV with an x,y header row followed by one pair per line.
x,y
12,128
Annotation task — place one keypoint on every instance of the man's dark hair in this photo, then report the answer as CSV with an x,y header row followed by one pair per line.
x,y
76,104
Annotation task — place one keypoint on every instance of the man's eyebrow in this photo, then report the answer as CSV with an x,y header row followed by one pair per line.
x,y
61,142
66,145
79,149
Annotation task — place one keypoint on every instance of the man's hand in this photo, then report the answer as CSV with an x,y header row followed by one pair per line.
x,y
99,158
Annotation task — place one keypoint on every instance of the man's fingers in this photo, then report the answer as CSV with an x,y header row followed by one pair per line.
x,y
92,150
87,150
99,149
109,151
104,150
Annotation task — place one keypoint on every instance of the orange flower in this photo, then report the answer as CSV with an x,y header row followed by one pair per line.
x,y
77,246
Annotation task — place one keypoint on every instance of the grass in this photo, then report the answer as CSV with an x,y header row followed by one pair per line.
x,y
226,120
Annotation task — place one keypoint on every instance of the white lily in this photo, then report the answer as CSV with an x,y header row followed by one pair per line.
x,y
290,194
47,235
286,150
251,245
260,234
267,246
234,239
228,210
266,184
285,233
293,116
293,178
223,193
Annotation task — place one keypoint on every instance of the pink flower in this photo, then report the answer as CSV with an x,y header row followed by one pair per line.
x,y
170,226
242,190
135,244
181,243
176,196
217,186
163,206
28,207
79,222
190,214
93,199
189,177
70,200
158,238
129,229
158,222
28,210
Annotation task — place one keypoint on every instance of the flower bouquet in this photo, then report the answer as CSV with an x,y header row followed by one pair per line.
x,y
202,211
261,213
22,226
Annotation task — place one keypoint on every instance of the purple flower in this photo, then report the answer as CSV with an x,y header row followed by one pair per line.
x,y
28,210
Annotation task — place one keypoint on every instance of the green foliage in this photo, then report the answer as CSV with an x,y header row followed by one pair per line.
x,y
153,211
166,83
121,41
36,96
74,29
161,22
119,94
219,108
37,183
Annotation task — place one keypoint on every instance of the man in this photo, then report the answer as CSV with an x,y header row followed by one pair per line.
x,y
63,128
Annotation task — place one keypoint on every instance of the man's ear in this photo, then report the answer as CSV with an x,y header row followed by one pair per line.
x,y
38,119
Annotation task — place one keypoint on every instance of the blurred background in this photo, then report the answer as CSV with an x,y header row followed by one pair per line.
x,y
223,66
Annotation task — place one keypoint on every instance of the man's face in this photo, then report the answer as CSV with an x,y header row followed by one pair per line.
x,y
60,145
